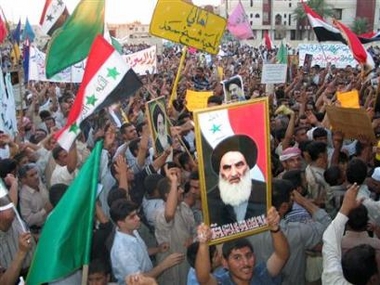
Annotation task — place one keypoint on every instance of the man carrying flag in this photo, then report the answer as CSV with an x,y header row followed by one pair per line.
x,y
106,80
64,249
17,245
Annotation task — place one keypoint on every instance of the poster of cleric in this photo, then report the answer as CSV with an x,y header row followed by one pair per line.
x,y
233,148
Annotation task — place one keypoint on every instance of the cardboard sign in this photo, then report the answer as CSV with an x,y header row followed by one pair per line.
x,y
352,122
187,24
196,100
143,61
273,73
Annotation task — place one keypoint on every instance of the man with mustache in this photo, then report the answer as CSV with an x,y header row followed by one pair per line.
x,y
237,197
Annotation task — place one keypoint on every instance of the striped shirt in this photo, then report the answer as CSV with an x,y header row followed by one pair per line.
x,y
9,246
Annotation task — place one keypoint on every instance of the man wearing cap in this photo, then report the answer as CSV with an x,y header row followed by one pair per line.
x,y
373,182
237,197
290,159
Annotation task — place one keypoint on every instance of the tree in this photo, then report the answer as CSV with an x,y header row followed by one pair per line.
x,y
319,6
360,26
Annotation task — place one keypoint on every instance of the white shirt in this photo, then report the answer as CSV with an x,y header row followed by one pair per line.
x,y
62,175
129,254
332,252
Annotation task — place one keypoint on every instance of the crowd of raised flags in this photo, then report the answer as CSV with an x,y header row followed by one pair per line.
x,y
108,79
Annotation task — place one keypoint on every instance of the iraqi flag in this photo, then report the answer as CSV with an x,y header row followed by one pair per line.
x,y
54,15
323,31
106,80
268,41
369,37
358,50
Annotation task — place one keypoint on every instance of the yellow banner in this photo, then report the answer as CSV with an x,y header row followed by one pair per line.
x,y
349,99
196,100
187,24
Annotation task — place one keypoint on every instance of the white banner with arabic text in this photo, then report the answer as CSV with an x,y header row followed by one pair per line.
x,y
37,72
336,53
143,61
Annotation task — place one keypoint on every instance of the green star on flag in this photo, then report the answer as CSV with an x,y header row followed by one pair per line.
x,y
91,100
112,72
215,128
74,128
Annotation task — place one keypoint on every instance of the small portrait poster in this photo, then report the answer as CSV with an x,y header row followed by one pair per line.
x,y
233,89
233,145
307,62
159,124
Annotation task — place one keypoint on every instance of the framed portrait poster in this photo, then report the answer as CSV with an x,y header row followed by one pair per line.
x,y
159,124
233,89
233,145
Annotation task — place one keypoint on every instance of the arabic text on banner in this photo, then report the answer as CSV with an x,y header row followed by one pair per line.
x,y
187,24
143,61
338,54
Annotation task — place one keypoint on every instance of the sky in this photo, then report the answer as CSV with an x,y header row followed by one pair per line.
x,y
117,11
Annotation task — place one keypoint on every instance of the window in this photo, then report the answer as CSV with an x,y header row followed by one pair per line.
x,y
251,3
338,14
251,15
251,23
290,4
278,19
257,16
265,18
293,35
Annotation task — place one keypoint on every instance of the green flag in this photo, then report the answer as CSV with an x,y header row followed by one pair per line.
x,y
72,42
282,54
65,242
115,43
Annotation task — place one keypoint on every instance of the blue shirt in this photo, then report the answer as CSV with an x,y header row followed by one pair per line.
x,y
261,276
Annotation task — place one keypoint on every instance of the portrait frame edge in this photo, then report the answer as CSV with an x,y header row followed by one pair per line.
x,y
153,133
201,162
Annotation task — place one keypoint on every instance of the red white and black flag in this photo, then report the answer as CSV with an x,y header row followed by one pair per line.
x,y
323,31
358,50
107,79
53,16
369,37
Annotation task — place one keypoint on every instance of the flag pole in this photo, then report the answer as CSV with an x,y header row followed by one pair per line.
x,y
174,90
84,274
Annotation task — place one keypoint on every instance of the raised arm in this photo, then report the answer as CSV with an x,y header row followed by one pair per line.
x,y
281,252
10,276
172,199
202,260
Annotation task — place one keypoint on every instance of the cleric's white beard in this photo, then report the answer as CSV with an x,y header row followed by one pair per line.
x,y
236,193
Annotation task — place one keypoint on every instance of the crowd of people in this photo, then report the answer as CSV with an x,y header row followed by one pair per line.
x,y
324,222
